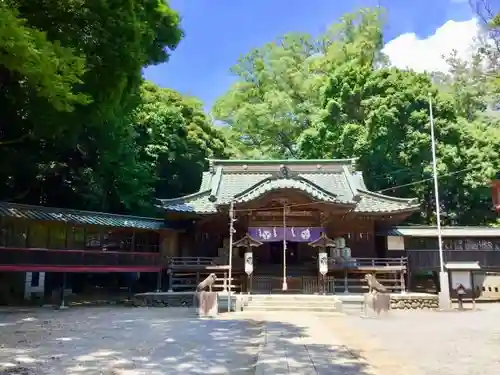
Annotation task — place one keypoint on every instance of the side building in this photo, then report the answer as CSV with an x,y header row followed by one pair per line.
x,y
419,244
42,248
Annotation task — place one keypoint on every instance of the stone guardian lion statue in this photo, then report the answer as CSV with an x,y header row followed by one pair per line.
x,y
207,299
378,298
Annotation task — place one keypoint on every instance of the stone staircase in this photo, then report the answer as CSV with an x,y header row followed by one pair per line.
x,y
352,304
294,302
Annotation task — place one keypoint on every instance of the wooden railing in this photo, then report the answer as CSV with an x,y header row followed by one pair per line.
x,y
311,285
193,261
429,259
21,257
334,263
366,262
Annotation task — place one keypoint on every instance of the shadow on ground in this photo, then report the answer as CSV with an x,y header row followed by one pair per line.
x,y
294,348
120,340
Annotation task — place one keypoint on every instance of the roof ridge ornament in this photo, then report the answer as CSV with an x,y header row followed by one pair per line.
x,y
284,172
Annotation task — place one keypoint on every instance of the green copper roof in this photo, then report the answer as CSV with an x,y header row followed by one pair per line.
x,y
333,181
303,185
40,213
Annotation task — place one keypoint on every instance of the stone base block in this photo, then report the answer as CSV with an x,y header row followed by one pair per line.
x,y
414,301
208,304
165,299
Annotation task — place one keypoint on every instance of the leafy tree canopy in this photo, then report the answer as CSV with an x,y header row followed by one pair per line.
x,y
79,128
336,97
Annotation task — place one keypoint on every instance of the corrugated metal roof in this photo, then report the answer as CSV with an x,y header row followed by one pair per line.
x,y
430,231
466,266
41,213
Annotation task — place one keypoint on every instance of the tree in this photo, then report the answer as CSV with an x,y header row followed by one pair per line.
x,y
381,117
278,92
176,137
70,76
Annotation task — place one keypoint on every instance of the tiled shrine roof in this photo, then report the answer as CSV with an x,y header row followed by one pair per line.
x,y
331,181
41,213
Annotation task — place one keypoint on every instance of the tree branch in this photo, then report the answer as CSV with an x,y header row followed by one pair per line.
x,y
14,141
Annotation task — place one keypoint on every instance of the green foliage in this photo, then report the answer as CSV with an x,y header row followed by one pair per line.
x,y
278,92
74,118
336,97
176,137
49,69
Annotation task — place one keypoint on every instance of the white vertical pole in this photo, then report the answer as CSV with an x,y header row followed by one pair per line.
x,y
231,232
285,286
444,294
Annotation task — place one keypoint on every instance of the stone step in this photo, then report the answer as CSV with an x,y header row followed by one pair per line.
x,y
324,309
305,299
315,304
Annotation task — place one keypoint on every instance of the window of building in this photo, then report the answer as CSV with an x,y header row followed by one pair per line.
x,y
38,235
76,238
147,241
118,240
93,239
57,236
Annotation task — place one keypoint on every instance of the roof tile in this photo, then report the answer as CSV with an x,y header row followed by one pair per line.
x,y
328,182
41,213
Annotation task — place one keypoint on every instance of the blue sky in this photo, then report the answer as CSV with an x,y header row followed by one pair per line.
x,y
217,32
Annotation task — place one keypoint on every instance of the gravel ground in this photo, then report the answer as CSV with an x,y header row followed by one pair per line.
x,y
117,340
426,342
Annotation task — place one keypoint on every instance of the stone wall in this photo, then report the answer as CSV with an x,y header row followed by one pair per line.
x,y
413,301
177,299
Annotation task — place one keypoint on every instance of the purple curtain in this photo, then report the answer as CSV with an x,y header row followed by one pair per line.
x,y
293,234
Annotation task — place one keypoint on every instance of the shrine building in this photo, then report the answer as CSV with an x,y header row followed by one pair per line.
x,y
288,212
299,226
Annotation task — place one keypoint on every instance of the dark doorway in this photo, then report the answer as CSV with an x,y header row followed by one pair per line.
x,y
276,252
292,250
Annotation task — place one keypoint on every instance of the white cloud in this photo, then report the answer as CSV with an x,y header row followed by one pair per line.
x,y
408,51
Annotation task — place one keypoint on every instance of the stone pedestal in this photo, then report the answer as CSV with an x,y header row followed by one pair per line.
x,y
208,304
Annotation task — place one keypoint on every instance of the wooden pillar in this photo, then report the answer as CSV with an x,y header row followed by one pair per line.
x,y
61,291
66,230
158,282
170,280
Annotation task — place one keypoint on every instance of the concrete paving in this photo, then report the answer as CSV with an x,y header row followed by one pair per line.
x,y
157,341
426,342
299,344
125,341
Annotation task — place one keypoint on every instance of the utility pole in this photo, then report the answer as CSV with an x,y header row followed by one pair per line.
x,y
231,232
444,289
285,285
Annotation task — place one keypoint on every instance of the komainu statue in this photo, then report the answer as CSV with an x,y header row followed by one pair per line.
x,y
208,282
378,298
208,305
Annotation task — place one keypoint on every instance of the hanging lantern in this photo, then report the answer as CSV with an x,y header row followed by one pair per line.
x,y
495,191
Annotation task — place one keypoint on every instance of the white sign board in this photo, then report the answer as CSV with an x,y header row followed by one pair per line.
x,y
460,277
248,262
395,243
323,263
